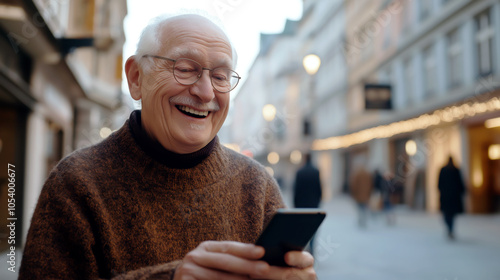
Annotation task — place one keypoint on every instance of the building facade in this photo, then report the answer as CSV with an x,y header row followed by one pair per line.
x,y
60,89
274,116
419,82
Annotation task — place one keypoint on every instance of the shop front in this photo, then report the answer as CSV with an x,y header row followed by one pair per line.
x,y
484,171
414,150
15,106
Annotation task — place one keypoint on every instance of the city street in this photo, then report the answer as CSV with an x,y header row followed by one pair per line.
x,y
393,96
414,248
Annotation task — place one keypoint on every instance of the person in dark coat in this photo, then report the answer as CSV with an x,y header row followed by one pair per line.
x,y
451,188
307,188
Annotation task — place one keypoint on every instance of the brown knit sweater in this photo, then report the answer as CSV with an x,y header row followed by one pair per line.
x,y
121,209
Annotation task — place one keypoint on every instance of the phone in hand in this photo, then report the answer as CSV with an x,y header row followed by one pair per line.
x,y
289,230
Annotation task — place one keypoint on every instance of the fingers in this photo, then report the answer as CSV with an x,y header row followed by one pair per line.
x,y
242,250
225,257
227,262
300,259
192,271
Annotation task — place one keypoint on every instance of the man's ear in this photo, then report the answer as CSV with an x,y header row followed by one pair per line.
x,y
133,77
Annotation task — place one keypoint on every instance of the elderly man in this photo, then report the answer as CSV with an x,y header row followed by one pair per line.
x,y
162,198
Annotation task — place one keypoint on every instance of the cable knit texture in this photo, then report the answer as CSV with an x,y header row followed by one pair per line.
x,y
114,211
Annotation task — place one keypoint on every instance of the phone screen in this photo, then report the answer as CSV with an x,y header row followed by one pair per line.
x,y
289,230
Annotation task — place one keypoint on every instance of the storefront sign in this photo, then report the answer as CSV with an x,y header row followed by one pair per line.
x,y
378,97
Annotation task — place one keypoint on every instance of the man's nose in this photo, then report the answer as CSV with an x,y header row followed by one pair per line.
x,y
203,87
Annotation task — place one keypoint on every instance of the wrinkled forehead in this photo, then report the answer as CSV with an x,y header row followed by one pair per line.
x,y
200,56
195,37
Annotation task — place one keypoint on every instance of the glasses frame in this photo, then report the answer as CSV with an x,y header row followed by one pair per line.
x,y
199,76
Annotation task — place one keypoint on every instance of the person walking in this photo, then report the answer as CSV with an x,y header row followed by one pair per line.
x,y
360,186
307,189
307,186
451,188
389,184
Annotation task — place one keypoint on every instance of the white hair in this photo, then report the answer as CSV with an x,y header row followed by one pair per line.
x,y
149,42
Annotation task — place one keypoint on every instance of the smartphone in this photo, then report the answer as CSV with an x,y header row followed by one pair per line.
x,y
289,230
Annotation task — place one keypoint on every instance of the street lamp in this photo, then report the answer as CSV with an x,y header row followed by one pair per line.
x,y
411,147
311,63
269,112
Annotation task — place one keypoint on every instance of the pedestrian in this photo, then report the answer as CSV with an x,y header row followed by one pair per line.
x,y
378,180
307,189
388,186
451,188
360,187
376,198
161,197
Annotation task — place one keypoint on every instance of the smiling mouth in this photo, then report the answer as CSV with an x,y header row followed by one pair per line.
x,y
192,112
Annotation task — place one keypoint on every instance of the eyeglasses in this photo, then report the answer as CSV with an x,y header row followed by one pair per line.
x,y
187,72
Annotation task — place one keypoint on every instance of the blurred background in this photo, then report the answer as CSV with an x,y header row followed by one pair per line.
x,y
396,86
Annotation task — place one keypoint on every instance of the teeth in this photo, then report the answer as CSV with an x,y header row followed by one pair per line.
x,y
192,111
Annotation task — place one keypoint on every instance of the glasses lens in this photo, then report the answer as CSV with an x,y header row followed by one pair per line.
x,y
187,71
224,80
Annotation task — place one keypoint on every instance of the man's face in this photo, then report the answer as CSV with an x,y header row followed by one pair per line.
x,y
184,118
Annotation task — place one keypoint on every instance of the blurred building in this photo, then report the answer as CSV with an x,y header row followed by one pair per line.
x,y
60,88
274,115
403,84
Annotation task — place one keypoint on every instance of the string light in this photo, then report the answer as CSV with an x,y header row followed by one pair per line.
x,y
445,115
491,123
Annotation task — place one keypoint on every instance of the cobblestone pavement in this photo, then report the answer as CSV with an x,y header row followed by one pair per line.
x,y
415,247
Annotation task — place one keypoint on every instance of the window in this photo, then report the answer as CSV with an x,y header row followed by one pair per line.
x,y
409,84
484,43
54,145
430,71
445,2
425,8
407,16
366,39
455,58
385,76
387,31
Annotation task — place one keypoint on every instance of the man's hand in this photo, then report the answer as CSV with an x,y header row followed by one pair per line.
x,y
222,260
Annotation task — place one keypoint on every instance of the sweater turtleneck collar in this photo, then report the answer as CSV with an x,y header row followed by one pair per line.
x,y
155,150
